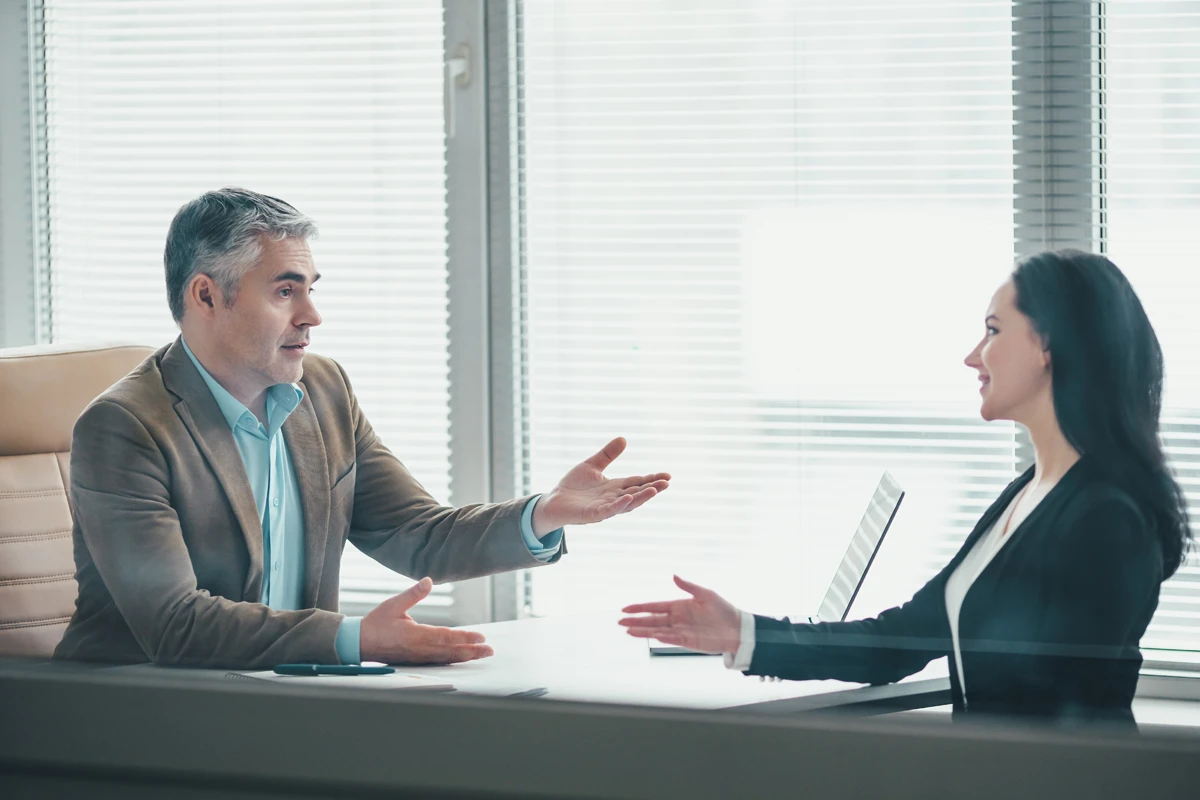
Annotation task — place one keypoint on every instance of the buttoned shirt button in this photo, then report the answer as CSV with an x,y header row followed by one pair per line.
x,y
275,502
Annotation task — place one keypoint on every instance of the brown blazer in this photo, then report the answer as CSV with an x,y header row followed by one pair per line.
x,y
168,543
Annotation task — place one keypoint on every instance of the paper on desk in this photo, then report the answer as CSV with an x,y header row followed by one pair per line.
x,y
395,680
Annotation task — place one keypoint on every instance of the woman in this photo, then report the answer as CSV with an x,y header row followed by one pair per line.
x,y
1042,609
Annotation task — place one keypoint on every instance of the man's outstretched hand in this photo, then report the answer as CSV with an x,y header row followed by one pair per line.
x,y
390,635
584,495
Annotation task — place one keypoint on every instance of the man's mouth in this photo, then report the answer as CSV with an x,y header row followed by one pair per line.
x,y
296,348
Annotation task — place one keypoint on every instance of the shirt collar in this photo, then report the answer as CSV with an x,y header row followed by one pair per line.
x,y
283,397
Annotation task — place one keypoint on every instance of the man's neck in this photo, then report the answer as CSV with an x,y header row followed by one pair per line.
x,y
249,393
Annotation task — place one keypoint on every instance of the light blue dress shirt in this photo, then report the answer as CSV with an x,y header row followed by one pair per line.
x,y
276,491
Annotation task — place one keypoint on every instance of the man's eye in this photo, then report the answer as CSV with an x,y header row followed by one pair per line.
x,y
285,292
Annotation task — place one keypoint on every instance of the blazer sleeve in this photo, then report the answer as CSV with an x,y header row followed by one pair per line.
x,y
396,522
122,506
1105,589
891,646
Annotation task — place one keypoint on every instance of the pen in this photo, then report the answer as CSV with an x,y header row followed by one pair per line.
x,y
331,669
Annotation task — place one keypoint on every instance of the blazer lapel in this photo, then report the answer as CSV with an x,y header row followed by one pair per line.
x,y
1065,487
200,414
989,518
310,463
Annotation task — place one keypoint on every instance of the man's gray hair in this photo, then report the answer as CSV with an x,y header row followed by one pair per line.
x,y
219,234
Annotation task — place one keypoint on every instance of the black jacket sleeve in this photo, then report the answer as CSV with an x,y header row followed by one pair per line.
x,y
1104,593
893,645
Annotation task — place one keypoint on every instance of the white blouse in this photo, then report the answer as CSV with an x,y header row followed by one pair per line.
x,y
971,567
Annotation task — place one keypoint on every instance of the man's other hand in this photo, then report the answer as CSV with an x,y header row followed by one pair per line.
x,y
390,635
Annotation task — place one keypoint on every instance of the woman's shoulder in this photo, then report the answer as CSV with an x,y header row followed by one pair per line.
x,y
1106,514
1093,494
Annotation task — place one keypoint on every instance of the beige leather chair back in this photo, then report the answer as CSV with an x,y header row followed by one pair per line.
x,y
43,390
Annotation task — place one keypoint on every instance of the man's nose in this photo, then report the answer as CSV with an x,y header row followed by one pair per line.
x,y
309,317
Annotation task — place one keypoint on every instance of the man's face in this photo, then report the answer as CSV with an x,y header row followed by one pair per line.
x,y
263,336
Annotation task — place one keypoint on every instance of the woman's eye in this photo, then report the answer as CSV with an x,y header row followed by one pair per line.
x,y
992,331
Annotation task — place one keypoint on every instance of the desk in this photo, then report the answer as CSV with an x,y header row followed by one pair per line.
x,y
79,732
589,658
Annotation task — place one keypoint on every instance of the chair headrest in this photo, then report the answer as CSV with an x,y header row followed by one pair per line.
x,y
44,389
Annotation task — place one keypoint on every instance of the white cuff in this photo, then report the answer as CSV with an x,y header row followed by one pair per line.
x,y
744,656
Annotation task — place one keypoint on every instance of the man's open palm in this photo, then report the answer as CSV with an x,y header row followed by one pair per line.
x,y
585,495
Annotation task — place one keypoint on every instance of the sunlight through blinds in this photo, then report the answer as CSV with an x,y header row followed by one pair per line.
x,y
335,107
761,238
1152,152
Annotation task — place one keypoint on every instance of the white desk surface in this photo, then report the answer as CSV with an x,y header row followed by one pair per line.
x,y
591,659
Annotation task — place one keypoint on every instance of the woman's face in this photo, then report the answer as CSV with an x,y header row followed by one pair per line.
x,y
1013,364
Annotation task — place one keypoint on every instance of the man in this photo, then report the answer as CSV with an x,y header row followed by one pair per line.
x,y
215,487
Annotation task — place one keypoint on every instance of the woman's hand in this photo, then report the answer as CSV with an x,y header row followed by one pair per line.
x,y
705,621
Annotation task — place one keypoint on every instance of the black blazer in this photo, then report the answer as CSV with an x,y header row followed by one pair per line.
x,y
1049,629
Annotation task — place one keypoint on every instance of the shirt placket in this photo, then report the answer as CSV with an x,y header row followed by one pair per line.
x,y
275,517
270,544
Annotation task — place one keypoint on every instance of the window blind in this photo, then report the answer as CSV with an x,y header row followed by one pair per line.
x,y
760,238
1151,107
336,108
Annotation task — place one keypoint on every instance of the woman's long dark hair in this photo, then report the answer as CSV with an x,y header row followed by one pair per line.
x,y
1107,371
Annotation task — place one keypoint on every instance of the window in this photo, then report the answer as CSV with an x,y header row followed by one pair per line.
x,y
1151,107
759,236
335,108
756,238
760,240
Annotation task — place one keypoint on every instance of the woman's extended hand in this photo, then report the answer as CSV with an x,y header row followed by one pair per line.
x,y
705,621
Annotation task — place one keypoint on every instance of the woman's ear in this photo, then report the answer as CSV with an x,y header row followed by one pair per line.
x,y
1043,340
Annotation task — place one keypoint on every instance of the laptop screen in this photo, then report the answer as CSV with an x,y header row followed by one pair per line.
x,y
853,569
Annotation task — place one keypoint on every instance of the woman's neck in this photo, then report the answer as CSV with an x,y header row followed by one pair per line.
x,y
1053,454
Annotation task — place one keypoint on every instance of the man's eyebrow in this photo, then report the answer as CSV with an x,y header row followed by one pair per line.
x,y
295,277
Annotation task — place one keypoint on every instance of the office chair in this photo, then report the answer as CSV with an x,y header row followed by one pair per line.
x,y
43,390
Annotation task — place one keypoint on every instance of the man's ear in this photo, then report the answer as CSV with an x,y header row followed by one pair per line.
x,y
204,294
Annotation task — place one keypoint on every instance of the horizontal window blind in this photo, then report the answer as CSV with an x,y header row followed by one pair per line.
x,y
335,107
760,239
1151,107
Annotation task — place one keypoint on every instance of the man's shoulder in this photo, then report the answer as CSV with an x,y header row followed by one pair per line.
x,y
142,392
323,370
325,377
328,390
136,406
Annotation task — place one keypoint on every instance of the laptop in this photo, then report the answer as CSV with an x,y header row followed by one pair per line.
x,y
851,573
